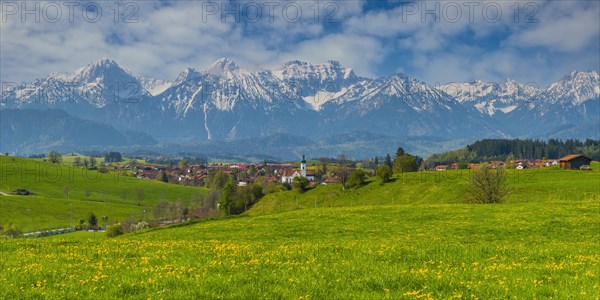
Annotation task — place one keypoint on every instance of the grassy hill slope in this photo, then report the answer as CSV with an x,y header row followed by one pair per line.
x,y
111,195
525,250
533,185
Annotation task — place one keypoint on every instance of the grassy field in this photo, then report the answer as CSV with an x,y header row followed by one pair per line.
x,y
447,187
69,159
409,239
107,194
526,250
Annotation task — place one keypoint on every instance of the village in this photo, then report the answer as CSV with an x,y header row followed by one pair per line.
x,y
317,172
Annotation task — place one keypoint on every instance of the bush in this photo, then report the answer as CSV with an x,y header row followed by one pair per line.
x,y
357,178
114,230
488,186
384,173
13,231
300,183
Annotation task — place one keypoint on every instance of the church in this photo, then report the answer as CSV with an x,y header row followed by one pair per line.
x,y
288,175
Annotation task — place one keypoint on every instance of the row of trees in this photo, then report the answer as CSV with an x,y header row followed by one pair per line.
x,y
90,162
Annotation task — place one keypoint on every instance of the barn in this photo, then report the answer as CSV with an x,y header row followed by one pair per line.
x,y
574,161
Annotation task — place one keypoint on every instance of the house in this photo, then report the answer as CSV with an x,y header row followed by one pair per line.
x,y
441,168
288,175
331,180
574,161
521,165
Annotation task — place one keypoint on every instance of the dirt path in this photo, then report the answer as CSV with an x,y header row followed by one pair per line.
x,y
5,194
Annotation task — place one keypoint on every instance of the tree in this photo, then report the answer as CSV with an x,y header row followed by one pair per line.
x,y
343,171
92,221
400,152
162,176
388,161
384,173
77,161
300,183
323,162
218,180
13,231
113,157
86,162
134,163
160,210
93,162
357,178
405,163
176,210
54,157
183,163
487,185
227,196
376,161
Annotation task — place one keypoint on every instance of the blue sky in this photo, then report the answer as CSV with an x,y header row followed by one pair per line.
x,y
435,41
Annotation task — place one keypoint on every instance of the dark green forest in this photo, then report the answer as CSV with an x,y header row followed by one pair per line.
x,y
502,149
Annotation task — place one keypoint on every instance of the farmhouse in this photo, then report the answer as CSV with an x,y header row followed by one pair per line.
x,y
288,175
574,161
441,168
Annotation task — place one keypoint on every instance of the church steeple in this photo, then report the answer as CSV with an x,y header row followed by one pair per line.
x,y
303,166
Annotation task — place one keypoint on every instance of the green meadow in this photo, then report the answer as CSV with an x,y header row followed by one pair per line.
x,y
526,250
111,194
412,238
440,187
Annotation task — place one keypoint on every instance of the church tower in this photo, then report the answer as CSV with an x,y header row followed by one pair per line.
x,y
303,167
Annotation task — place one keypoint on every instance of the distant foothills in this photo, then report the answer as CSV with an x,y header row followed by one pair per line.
x,y
230,112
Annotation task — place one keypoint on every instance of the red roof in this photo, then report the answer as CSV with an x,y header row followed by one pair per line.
x,y
571,157
289,173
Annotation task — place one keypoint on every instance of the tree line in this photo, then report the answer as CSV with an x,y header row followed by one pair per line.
x,y
503,149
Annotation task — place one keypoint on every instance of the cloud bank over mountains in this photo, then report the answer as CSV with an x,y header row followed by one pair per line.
x,y
436,41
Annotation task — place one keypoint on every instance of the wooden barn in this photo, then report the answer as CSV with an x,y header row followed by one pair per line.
x,y
574,161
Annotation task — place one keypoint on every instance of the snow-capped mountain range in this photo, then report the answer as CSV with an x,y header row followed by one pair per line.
x,y
225,102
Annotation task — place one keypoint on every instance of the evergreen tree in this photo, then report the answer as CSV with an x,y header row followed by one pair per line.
x,y
92,221
388,161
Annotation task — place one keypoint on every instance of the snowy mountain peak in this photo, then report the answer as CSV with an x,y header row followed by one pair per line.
x,y
101,70
490,97
575,87
222,67
330,76
185,75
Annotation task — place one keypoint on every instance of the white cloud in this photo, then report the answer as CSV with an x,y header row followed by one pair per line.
x,y
562,26
166,39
